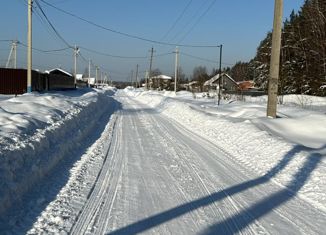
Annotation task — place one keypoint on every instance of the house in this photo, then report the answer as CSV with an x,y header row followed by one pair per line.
x,y
227,83
160,82
246,85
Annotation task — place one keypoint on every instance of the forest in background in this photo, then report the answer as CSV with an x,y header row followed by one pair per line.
x,y
303,54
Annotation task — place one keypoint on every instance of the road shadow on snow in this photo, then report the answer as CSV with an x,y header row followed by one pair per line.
x,y
256,211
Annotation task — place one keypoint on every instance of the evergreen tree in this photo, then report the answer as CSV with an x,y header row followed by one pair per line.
x,y
303,53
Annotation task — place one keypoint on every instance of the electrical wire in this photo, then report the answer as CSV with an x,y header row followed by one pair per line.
x,y
203,59
45,51
193,17
114,56
177,20
122,33
163,54
42,20
198,20
199,58
45,24
51,25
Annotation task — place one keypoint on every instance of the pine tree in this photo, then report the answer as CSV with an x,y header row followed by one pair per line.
x,y
303,53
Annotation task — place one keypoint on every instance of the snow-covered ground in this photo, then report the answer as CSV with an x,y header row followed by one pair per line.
x,y
43,133
38,130
243,130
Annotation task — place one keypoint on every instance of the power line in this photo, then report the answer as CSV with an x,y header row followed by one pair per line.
x,y
203,59
198,20
122,33
163,54
194,16
177,20
52,26
45,51
45,24
114,56
199,58
41,19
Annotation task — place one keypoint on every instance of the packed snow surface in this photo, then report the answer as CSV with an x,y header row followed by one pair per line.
x,y
77,161
243,130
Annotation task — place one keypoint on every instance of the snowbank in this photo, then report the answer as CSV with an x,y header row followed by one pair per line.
x,y
32,129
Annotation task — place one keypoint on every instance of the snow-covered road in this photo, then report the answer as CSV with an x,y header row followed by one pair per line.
x,y
160,178
143,166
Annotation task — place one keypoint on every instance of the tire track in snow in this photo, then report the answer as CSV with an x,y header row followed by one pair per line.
x,y
186,156
189,164
210,150
163,135
98,193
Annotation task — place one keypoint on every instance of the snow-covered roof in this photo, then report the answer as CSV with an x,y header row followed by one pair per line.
x,y
60,70
212,80
164,77
192,83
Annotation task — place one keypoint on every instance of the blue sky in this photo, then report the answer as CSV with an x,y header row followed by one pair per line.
x,y
237,24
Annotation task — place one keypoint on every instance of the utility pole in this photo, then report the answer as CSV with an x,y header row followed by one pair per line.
x,y
89,68
132,75
220,85
15,53
89,72
176,69
29,46
76,50
137,75
275,60
96,73
150,67
13,50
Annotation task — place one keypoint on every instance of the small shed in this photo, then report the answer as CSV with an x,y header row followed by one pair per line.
x,y
59,79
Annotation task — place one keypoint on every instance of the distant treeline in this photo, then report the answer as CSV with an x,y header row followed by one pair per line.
x,y
303,54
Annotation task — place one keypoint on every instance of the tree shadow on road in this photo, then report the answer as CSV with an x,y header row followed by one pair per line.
x,y
256,211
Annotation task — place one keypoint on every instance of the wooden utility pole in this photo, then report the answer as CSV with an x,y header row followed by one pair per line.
x,y
76,50
89,69
220,85
137,75
96,75
150,67
275,60
29,46
176,69
15,53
